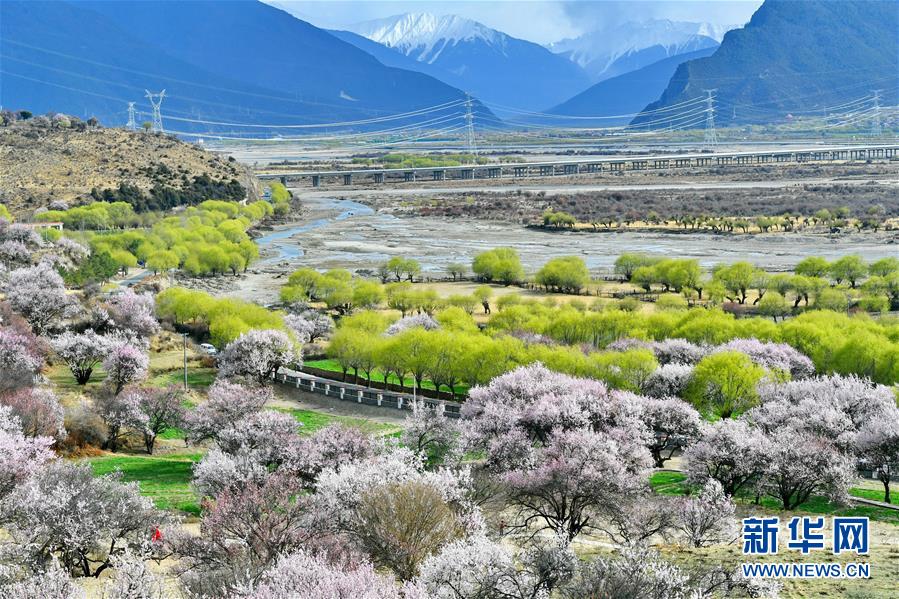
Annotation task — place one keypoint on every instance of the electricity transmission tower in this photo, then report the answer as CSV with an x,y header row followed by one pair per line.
x,y
156,103
711,138
876,129
469,125
132,124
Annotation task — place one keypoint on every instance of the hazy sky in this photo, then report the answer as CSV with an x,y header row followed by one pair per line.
x,y
541,21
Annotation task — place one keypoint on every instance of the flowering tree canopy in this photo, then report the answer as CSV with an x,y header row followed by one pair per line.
x,y
562,446
678,351
577,474
674,425
707,518
133,313
121,414
67,513
429,432
669,380
303,574
478,567
38,294
20,359
38,411
877,445
258,355
773,356
423,321
125,364
51,583
20,456
800,464
244,532
331,447
729,451
226,403
82,352
161,409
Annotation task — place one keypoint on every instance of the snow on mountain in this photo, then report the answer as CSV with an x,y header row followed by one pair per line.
x,y
424,36
597,51
493,66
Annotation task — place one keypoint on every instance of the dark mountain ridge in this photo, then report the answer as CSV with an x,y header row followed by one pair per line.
x,y
240,61
795,57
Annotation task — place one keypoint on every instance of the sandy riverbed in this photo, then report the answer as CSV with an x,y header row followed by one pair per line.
x,y
335,233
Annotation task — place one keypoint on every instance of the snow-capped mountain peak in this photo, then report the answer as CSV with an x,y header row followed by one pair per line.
x,y
423,36
597,50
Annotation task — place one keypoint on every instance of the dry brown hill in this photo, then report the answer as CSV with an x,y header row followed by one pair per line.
x,y
42,161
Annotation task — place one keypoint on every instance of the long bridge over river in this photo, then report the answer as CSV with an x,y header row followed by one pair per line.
x,y
570,167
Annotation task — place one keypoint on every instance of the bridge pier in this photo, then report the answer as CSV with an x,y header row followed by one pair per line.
x,y
316,180
283,181
348,179
638,165
593,168
571,169
660,164
546,171
409,176
494,172
438,175
519,171
379,177
616,167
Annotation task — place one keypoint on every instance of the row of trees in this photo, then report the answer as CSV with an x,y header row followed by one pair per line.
x,y
814,277
871,218
451,352
834,341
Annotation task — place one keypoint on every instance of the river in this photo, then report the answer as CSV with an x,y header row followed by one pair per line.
x,y
340,233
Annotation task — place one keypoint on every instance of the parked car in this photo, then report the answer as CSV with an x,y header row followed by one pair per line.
x,y
209,349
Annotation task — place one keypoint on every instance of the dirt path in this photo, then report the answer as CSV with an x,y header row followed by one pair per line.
x,y
285,397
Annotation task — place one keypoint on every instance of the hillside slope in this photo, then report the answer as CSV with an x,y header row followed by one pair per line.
x,y
795,57
626,94
41,163
240,61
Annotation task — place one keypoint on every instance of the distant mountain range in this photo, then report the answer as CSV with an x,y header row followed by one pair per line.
x,y
624,95
495,67
620,48
221,62
795,58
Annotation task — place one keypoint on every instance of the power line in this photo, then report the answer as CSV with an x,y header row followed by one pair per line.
x,y
156,103
711,137
876,129
469,125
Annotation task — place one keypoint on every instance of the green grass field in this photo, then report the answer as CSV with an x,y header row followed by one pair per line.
x,y
313,421
674,483
165,479
197,378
